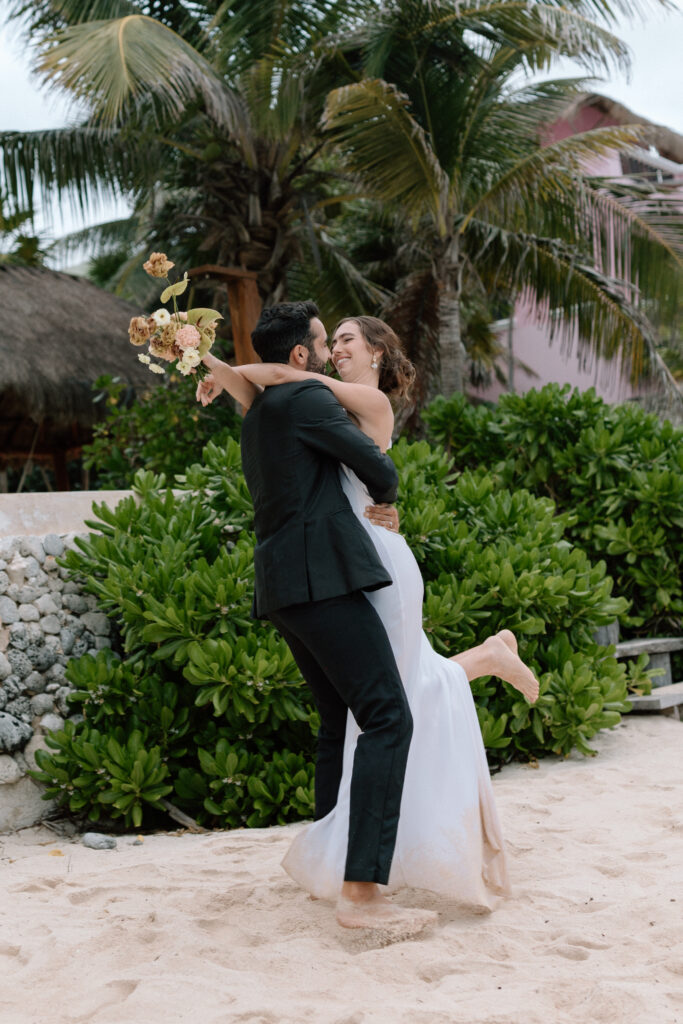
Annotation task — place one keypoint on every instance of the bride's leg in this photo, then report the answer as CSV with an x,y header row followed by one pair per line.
x,y
498,656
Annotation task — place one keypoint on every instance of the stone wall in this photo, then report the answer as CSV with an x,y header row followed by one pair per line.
x,y
44,620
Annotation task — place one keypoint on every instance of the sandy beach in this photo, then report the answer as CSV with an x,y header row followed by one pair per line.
x,y
207,928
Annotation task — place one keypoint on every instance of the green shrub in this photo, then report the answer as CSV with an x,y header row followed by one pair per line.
x,y
195,676
494,559
163,430
616,469
204,703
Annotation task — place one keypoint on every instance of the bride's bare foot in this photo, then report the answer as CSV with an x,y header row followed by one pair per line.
x,y
368,908
509,666
498,656
508,638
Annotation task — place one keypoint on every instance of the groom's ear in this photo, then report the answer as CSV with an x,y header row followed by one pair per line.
x,y
298,357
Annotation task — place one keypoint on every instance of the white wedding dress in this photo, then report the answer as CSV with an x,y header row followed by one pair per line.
x,y
449,839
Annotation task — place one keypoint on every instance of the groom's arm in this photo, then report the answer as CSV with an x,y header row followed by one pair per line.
x,y
325,427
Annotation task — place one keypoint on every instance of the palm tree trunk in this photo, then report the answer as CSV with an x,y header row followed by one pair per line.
x,y
451,348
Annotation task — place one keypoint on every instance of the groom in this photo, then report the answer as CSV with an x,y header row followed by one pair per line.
x,y
313,562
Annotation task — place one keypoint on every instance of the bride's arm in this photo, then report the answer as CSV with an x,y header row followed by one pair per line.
x,y
369,406
223,377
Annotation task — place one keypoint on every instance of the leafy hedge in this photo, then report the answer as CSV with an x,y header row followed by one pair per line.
x,y
162,430
617,469
204,706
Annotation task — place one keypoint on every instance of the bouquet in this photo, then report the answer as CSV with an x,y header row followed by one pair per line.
x,y
185,336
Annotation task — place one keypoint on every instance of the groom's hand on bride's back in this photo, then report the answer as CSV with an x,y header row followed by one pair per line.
x,y
383,515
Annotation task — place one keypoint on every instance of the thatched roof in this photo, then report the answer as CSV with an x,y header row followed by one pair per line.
x,y
59,333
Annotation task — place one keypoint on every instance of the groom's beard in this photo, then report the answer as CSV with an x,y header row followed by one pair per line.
x,y
315,364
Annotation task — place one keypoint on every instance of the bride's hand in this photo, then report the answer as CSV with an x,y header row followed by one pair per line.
x,y
383,515
208,389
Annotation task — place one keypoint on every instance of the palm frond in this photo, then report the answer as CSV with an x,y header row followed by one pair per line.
x,y
534,33
111,65
97,238
386,148
338,287
82,163
547,173
573,299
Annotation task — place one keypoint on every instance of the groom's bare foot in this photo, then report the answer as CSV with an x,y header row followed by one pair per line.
x,y
507,664
362,905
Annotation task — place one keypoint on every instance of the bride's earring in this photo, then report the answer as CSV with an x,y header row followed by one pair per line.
x,y
374,363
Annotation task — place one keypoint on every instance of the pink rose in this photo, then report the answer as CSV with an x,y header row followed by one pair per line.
x,y
188,337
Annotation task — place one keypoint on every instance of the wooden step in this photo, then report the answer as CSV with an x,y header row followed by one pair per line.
x,y
649,645
660,699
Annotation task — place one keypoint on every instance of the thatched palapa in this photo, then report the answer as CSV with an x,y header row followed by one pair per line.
x,y
59,333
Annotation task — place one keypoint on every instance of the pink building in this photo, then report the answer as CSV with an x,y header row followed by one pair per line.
x,y
531,359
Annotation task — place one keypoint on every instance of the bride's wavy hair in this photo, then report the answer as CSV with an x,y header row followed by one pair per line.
x,y
396,372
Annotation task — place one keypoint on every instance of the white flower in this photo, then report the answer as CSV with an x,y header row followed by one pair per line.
x,y
161,317
191,357
155,368
184,368
144,359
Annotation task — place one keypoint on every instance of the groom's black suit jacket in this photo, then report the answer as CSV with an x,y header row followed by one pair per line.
x,y
310,544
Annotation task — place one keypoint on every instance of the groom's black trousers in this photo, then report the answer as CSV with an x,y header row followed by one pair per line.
x,y
344,655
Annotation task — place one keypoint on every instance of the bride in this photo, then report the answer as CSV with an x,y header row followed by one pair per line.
x,y
449,838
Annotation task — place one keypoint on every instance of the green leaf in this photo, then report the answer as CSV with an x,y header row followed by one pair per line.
x,y
174,289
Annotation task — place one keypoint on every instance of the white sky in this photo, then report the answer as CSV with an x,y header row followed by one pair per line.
x,y
655,90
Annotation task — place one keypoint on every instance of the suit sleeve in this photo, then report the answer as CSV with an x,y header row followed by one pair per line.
x,y
325,427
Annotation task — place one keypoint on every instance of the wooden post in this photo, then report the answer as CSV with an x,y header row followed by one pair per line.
x,y
244,302
61,474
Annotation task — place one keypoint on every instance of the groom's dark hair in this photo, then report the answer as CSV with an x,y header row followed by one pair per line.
x,y
281,327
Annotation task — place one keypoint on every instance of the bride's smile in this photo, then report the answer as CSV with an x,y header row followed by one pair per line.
x,y
354,359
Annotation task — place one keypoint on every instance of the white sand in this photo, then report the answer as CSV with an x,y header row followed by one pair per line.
x,y
208,929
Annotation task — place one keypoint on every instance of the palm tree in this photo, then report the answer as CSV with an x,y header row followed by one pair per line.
x,y
443,127
207,116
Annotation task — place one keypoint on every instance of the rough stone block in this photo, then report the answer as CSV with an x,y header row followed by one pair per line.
x,y
21,664
42,657
20,707
22,805
42,704
34,683
10,771
51,723
4,581
9,547
76,603
50,624
46,605
33,548
66,637
28,613
13,686
5,667
37,742
14,734
53,544
18,636
96,623
9,613
97,841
